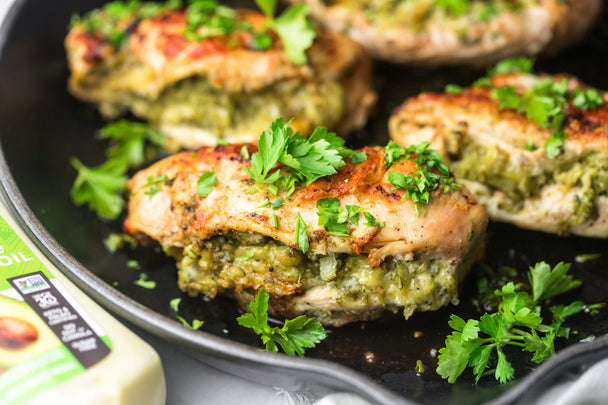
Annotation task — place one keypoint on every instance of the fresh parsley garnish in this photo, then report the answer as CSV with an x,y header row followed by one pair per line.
x,y
154,184
371,220
301,236
353,213
206,19
421,183
116,241
144,282
295,336
296,32
333,217
453,89
196,323
512,65
359,157
585,257
113,19
205,183
304,159
544,102
392,153
101,187
518,322
174,304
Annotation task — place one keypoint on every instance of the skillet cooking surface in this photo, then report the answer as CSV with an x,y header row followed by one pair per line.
x,y
42,126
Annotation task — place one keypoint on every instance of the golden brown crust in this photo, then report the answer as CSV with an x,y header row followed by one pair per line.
x,y
450,121
175,215
157,55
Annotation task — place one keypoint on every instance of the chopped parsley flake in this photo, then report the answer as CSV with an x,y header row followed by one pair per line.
x,y
371,220
359,157
174,304
421,183
144,282
274,221
585,257
301,236
196,324
154,184
333,217
205,183
453,89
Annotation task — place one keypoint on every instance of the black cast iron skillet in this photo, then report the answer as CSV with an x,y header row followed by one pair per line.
x,y
42,126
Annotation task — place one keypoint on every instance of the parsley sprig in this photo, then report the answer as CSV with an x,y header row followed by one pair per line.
x,y
419,186
518,322
305,160
101,187
295,336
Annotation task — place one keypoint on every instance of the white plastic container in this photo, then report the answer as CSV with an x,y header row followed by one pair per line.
x,y
59,347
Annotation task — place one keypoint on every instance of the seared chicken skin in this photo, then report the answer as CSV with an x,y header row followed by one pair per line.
x,y
196,91
472,32
228,243
501,155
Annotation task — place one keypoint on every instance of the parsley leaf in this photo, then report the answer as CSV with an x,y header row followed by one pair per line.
x,y
295,336
333,217
392,153
547,283
296,32
512,65
205,183
100,187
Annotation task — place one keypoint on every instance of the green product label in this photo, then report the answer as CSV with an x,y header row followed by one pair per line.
x,y
16,258
45,338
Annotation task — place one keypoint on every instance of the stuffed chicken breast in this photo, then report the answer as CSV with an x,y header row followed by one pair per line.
x,y
461,31
533,149
199,74
343,247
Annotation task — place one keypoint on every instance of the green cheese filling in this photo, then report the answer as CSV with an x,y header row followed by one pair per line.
x,y
244,261
520,181
195,102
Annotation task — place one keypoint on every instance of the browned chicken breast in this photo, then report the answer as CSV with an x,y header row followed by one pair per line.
x,y
550,176
196,87
462,31
235,242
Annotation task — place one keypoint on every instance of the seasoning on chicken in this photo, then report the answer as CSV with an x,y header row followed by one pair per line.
x,y
202,74
440,32
533,149
342,247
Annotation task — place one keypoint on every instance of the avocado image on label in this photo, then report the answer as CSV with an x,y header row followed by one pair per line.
x,y
23,334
